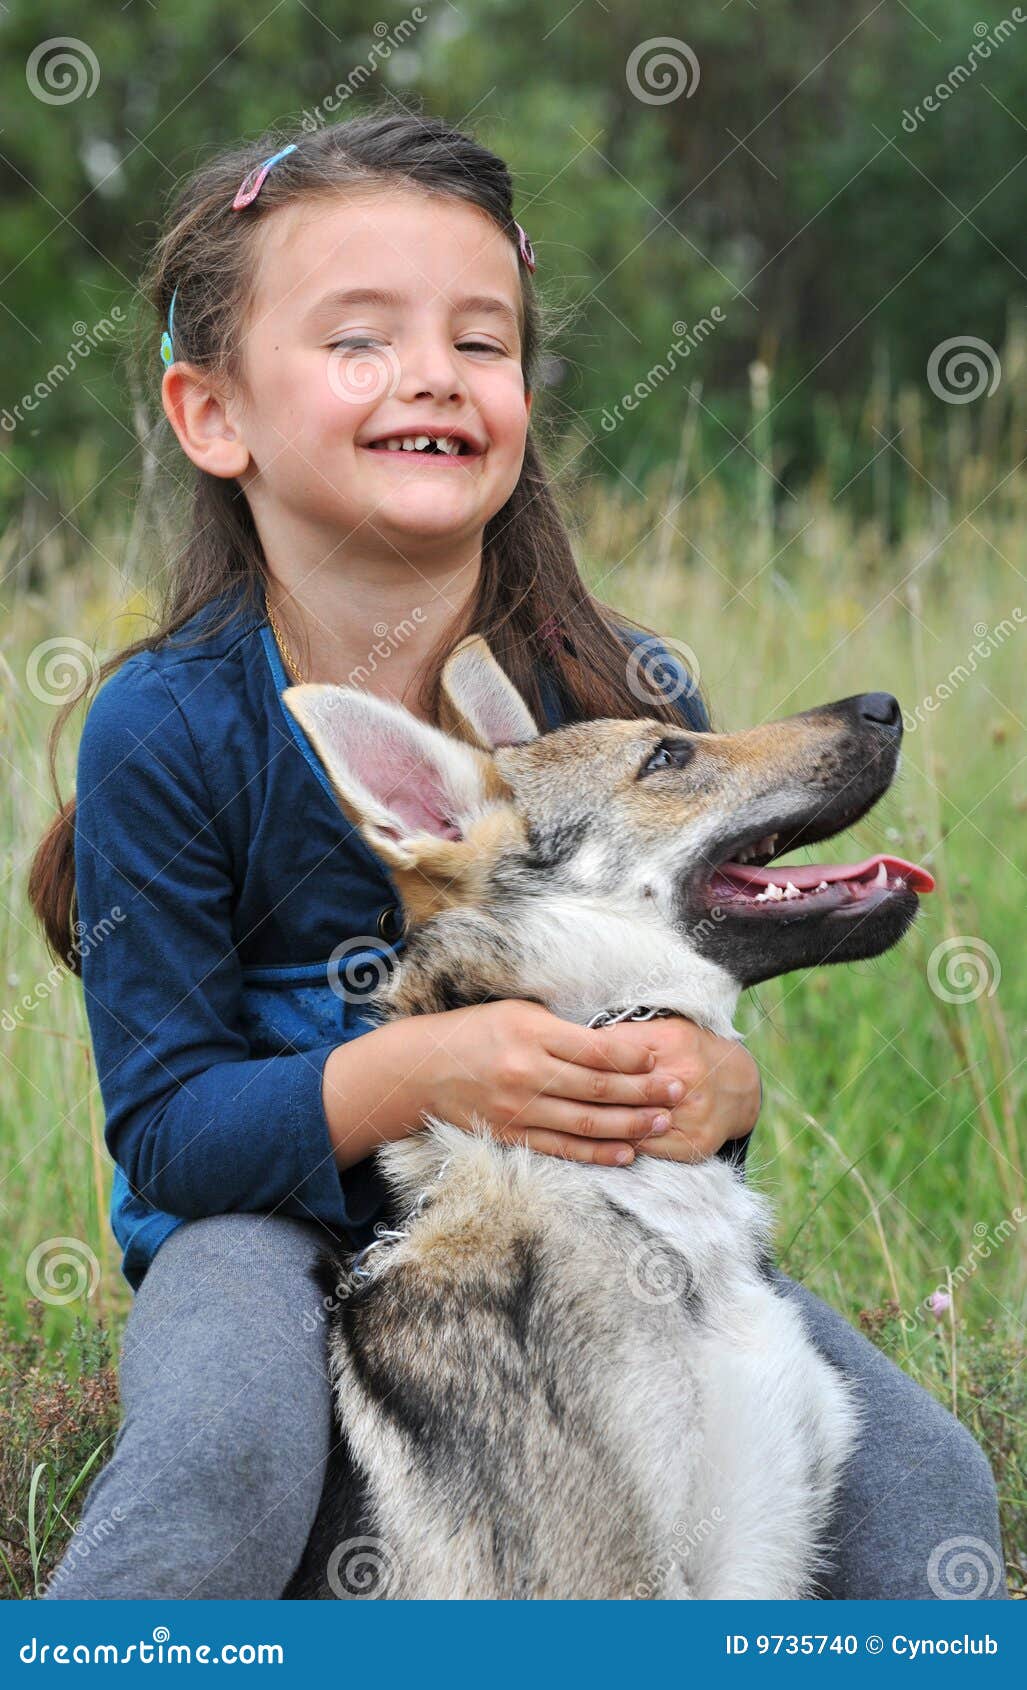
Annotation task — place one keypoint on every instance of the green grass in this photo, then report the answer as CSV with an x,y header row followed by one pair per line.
x,y
890,1138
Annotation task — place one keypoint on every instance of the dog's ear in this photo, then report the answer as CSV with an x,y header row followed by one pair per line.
x,y
399,780
479,702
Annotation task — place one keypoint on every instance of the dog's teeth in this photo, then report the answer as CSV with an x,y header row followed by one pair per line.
x,y
791,891
881,878
822,887
773,893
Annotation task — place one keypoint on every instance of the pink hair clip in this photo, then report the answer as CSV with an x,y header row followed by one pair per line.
x,y
526,249
551,637
254,180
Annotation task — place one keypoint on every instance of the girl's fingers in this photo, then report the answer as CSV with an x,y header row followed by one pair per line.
x,y
600,1152
602,1085
597,1047
605,1121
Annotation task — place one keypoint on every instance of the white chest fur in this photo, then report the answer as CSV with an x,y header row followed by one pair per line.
x,y
696,1410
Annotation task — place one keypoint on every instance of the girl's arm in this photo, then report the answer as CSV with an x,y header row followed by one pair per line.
x,y
198,1125
591,1094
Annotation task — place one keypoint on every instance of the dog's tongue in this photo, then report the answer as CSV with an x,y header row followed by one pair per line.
x,y
807,876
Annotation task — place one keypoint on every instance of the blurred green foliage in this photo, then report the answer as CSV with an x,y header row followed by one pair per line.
x,y
784,187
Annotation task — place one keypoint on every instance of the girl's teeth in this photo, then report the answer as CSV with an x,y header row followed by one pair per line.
x,y
419,443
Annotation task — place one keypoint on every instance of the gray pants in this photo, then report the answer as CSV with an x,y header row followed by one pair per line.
x,y
216,1472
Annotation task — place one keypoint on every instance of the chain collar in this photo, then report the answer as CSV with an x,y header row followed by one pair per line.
x,y
634,1012
358,1270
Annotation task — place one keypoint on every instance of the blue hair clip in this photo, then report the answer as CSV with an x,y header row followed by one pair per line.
x,y
167,346
246,193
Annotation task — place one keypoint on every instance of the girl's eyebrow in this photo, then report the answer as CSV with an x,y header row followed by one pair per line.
x,y
477,303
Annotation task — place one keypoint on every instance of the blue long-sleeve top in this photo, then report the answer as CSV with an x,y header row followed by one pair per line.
x,y
220,890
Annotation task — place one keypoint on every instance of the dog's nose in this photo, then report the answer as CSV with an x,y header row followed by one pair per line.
x,y
881,709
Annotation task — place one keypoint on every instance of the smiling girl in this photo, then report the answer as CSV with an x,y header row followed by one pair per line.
x,y
351,342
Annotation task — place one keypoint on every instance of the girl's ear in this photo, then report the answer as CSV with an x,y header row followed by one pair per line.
x,y
480,702
398,779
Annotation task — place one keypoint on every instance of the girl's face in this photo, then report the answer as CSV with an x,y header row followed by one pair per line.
x,y
329,377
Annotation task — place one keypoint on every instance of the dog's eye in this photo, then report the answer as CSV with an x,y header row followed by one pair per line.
x,y
669,754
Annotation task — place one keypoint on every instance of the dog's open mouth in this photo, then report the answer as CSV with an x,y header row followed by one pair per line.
x,y
817,888
743,884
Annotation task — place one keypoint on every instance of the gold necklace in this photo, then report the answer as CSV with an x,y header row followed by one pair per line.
x,y
282,643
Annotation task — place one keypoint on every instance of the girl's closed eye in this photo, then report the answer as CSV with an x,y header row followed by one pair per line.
x,y
354,345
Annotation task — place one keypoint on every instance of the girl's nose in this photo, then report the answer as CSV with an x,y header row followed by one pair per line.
x,y
430,372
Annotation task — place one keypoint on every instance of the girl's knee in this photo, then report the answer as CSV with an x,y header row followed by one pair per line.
x,y
272,1250
956,1451
912,1418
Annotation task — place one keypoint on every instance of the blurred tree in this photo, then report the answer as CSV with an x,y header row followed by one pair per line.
x,y
779,165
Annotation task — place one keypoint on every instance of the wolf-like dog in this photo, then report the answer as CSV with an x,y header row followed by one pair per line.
x,y
551,1379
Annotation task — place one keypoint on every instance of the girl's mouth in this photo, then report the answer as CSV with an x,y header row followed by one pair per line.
x,y
425,448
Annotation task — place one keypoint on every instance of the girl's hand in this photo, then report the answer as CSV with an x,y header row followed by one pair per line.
x,y
590,1094
722,1087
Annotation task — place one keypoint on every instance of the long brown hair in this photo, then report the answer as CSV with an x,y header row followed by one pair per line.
x,y
531,604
